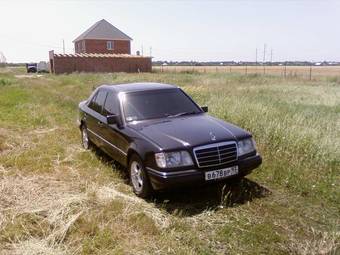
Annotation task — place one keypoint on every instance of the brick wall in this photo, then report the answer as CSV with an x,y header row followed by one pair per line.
x,y
69,64
100,46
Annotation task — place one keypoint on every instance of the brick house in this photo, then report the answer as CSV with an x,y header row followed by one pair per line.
x,y
103,37
101,48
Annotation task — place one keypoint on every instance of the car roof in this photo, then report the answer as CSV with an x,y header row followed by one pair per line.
x,y
137,86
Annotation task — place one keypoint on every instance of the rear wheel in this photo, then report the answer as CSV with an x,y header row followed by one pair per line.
x,y
138,177
85,141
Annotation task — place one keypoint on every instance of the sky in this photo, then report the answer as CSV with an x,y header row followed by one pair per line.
x,y
178,30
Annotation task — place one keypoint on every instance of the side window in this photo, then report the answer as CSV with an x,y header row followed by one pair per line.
x,y
98,101
111,106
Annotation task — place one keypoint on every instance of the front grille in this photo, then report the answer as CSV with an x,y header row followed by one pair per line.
x,y
216,154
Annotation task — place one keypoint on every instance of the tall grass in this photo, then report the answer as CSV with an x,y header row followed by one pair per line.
x,y
58,199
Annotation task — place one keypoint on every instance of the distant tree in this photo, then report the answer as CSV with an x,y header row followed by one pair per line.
x,y
2,58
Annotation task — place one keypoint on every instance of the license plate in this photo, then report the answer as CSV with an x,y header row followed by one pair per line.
x,y
221,173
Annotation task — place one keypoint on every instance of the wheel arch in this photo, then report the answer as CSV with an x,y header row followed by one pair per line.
x,y
81,123
130,152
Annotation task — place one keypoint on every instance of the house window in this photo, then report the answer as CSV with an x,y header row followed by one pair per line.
x,y
109,45
83,45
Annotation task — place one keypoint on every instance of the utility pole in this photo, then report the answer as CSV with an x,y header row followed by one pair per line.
x,y
150,51
256,56
63,46
264,53
271,55
264,58
142,50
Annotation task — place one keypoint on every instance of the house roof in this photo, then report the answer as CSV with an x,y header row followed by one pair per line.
x,y
103,30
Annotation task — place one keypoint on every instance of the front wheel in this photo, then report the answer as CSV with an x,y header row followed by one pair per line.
x,y
139,179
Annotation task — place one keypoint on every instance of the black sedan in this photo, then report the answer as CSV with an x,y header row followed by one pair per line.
x,y
163,137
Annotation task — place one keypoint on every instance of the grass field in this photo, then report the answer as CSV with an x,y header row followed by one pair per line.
x,y
56,198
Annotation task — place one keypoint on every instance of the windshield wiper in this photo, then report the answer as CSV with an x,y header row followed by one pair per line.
x,y
181,114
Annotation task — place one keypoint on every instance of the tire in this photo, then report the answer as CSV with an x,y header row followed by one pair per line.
x,y
138,178
85,140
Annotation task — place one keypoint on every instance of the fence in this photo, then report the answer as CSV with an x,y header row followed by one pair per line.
x,y
307,72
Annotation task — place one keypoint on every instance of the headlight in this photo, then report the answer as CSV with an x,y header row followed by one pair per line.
x,y
246,146
173,159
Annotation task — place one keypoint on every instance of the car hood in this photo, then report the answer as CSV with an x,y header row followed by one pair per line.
x,y
172,133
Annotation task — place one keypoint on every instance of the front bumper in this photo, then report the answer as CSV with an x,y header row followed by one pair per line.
x,y
163,180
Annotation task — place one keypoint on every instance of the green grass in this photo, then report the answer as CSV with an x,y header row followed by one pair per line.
x,y
56,197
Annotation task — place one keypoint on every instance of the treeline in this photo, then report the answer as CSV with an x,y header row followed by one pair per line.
x,y
12,64
243,63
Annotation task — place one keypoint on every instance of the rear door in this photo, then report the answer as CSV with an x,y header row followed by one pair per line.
x,y
94,119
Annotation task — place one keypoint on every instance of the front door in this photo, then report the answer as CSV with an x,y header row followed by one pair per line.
x,y
116,141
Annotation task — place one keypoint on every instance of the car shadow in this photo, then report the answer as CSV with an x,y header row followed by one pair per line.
x,y
191,201
116,166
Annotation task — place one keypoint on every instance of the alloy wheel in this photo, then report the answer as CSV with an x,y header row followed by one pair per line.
x,y
136,176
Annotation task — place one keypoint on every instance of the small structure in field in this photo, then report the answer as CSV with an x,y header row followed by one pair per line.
x,y
101,48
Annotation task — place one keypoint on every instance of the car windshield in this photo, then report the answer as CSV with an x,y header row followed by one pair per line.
x,y
158,104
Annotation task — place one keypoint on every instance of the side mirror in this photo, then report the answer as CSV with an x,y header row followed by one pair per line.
x,y
114,119
204,108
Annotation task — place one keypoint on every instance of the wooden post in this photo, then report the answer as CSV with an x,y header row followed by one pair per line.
x,y
246,69
310,73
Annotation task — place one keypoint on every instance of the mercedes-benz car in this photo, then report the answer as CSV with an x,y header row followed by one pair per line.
x,y
163,137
